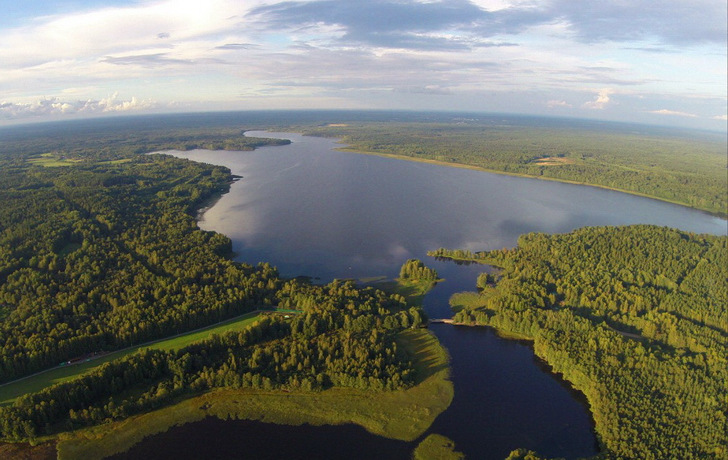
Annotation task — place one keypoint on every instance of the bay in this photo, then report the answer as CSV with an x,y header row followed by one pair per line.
x,y
311,210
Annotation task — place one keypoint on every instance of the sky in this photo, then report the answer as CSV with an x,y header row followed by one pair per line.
x,y
649,61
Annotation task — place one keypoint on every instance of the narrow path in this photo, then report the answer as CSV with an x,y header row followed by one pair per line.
x,y
142,345
627,334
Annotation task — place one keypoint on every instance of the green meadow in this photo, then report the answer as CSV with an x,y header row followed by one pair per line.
x,y
403,414
13,390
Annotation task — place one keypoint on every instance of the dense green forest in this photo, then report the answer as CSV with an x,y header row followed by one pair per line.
x,y
415,270
344,337
635,317
99,250
98,256
680,169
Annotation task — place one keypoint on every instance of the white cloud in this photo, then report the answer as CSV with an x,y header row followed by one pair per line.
x,y
556,103
56,106
673,113
494,5
721,117
219,54
601,100
89,34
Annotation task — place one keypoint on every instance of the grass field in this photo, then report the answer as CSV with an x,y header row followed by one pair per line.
x,y
437,447
401,415
412,290
50,160
11,391
181,341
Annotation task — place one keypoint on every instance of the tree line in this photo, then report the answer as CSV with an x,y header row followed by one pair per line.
x,y
101,254
684,169
415,270
635,318
344,336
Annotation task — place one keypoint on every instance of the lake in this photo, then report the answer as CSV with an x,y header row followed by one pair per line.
x,y
310,210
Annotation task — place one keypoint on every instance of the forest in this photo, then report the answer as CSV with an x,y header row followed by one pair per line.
x,y
634,317
344,337
684,169
99,250
99,256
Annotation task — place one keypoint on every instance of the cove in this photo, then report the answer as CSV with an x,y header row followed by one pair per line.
x,y
310,210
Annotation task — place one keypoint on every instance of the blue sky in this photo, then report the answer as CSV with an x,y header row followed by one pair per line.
x,y
658,62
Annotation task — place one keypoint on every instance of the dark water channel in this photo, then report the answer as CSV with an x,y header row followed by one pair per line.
x,y
310,210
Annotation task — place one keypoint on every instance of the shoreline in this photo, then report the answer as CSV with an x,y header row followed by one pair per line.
x,y
350,149
500,334
507,173
402,414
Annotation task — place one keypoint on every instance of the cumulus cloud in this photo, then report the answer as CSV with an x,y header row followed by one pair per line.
x,y
109,30
673,113
354,52
600,101
556,103
56,106
399,24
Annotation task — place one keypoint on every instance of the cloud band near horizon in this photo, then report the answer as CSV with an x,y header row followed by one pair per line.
x,y
635,61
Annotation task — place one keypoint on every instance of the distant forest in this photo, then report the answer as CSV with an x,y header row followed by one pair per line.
x,y
691,171
634,317
99,250
676,165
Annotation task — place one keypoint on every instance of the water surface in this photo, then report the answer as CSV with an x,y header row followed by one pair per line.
x,y
313,211
308,209
213,438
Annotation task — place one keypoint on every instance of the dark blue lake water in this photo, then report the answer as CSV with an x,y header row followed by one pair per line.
x,y
310,210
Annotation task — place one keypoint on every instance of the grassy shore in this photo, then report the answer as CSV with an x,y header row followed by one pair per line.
x,y
13,390
412,290
437,447
403,415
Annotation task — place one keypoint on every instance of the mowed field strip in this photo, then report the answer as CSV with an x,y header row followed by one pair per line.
x,y
13,390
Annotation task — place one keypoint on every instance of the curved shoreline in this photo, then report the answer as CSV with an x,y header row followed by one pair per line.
x,y
723,216
403,415
567,384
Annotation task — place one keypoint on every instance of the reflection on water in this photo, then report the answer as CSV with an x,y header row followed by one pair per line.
x,y
312,211
308,209
240,439
504,400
